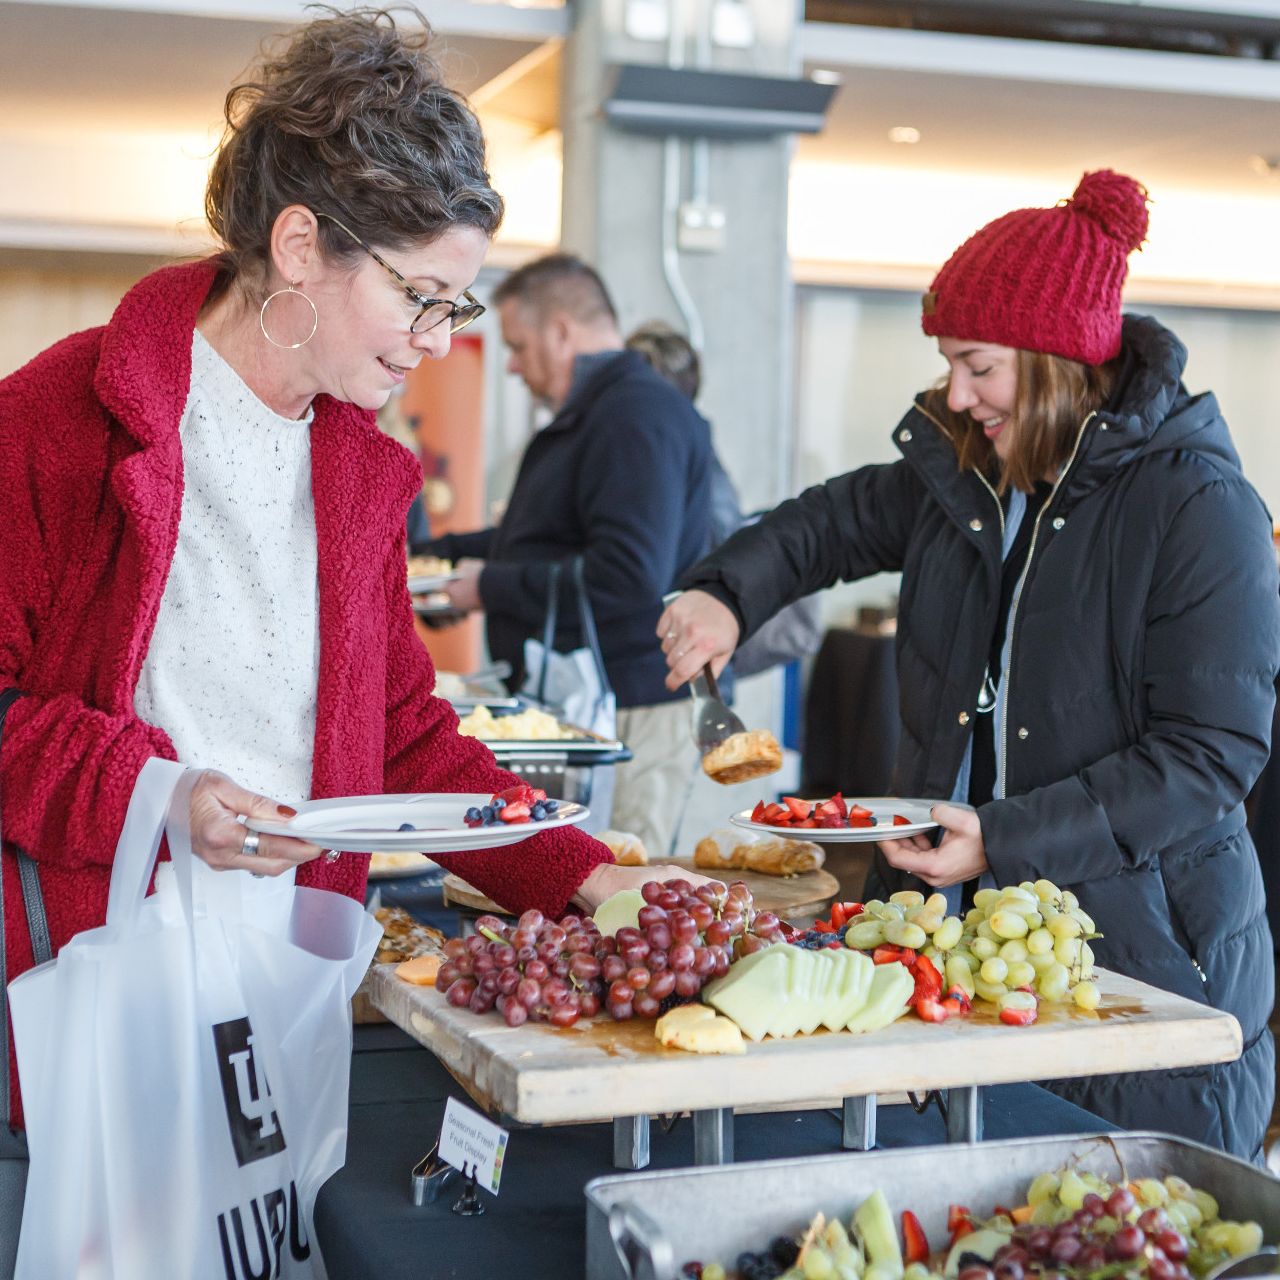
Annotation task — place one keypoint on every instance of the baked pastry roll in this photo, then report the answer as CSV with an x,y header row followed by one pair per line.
x,y
731,850
743,756
627,850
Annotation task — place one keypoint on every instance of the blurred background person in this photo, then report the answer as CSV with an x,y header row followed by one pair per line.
x,y
620,476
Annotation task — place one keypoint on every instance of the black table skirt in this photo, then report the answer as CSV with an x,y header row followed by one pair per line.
x,y
368,1226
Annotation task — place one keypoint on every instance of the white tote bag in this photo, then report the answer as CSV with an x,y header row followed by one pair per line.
x,y
576,685
185,1072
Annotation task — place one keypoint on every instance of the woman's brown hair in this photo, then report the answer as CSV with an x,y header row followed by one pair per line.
x,y
353,119
1054,396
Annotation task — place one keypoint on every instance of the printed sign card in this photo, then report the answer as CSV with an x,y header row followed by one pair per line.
x,y
471,1142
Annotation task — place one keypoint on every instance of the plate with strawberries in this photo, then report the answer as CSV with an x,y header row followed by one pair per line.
x,y
434,822
839,821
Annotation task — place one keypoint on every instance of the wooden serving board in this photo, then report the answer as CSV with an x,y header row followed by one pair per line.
x,y
784,895
594,1071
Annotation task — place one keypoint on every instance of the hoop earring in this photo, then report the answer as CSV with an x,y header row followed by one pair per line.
x,y
262,316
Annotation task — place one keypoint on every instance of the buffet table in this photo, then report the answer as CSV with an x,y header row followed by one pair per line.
x,y
367,1225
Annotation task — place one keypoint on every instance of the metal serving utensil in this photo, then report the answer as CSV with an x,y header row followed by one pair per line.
x,y
1266,1262
713,722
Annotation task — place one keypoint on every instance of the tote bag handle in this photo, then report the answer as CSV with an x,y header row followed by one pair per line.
x,y
586,620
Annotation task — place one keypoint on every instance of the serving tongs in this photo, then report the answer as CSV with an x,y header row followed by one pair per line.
x,y
1266,1262
713,722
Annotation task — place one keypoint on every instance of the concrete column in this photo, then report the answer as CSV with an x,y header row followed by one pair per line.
x,y
615,215
621,194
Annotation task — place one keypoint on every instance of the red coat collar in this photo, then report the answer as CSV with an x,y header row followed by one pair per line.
x,y
362,484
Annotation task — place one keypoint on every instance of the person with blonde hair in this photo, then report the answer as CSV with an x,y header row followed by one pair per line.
x,y
1088,633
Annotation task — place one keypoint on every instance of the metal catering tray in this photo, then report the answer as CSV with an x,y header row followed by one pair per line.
x,y
645,1226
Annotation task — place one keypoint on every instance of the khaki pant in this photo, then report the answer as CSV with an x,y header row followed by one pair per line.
x,y
652,789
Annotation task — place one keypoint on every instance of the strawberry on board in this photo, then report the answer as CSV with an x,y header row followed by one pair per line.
x,y
915,1245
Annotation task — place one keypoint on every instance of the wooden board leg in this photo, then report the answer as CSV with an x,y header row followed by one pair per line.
x,y
630,1142
713,1136
964,1114
858,1130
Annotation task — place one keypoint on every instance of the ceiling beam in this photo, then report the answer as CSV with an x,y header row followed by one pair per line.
x,y
449,17
838,45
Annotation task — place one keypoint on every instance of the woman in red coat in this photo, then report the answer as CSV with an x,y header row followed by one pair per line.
x,y
203,535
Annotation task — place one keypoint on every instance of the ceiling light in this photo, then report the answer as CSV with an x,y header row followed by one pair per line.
x,y
824,75
904,133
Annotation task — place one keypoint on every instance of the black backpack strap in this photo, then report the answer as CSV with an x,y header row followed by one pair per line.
x,y
37,923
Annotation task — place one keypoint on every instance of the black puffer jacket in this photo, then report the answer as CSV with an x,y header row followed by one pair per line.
x,y
1140,693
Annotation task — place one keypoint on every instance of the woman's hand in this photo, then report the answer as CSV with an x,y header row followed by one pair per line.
x,y
464,590
694,630
960,856
218,839
607,878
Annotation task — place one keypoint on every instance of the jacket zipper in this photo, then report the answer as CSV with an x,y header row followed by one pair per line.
x,y
1017,600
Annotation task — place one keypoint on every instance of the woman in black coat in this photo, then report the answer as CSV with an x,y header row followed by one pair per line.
x,y
1088,634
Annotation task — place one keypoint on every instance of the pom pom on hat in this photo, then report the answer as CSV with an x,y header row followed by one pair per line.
x,y
1046,279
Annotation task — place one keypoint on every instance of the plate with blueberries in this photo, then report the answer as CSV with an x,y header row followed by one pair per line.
x,y
437,822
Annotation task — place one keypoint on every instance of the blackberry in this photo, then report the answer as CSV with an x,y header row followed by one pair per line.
x,y
784,1251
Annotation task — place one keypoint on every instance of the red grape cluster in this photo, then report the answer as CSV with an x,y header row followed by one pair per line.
x,y
537,969
1098,1235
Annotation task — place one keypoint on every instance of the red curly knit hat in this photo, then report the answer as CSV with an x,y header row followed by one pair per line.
x,y
1046,279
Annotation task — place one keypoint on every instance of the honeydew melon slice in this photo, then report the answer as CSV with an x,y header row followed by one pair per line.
x,y
755,991
620,911
852,989
877,1230
891,988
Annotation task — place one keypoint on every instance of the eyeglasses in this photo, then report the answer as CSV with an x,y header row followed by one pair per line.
x,y
431,311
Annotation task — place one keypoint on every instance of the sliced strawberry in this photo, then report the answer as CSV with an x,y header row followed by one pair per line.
x,y
887,953
857,811
830,821
538,794
958,996
1017,1017
958,1216
799,808
516,811
521,792
807,822
915,1244
828,807
900,821
931,1009
855,821
839,801
757,814
774,814
928,979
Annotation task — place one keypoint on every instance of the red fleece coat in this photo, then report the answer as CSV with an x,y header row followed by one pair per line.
x,y
91,473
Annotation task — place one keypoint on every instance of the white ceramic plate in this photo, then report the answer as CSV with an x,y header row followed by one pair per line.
x,y
882,809
370,824
423,582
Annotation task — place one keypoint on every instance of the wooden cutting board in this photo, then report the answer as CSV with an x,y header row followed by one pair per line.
x,y
784,895
596,1070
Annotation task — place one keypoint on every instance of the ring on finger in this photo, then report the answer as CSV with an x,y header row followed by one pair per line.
x,y
251,843
332,855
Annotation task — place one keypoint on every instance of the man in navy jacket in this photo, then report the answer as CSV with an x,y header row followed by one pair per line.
x,y
620,476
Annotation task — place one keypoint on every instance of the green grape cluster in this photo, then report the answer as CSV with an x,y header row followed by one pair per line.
x,y
1026,938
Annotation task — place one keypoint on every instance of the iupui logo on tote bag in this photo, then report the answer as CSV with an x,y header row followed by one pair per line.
x,y
251,1114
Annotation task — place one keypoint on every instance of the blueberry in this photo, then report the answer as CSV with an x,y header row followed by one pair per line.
x,y
486,814
551,805
473,815
406,826
538,812
746,1262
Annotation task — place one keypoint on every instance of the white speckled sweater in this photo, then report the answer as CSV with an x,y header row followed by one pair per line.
x,y
232,671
